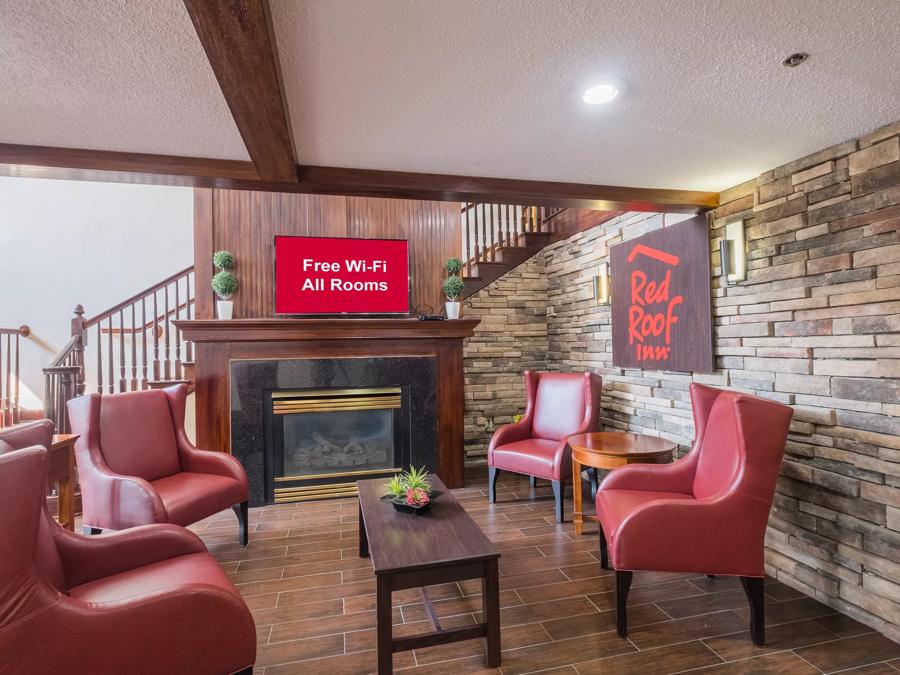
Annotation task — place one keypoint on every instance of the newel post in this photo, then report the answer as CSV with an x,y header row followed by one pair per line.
x,y
78,330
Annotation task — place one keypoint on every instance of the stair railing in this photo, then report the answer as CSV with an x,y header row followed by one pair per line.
x,y
128,347
10,410
489,227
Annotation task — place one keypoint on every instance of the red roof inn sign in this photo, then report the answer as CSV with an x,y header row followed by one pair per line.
x,y
661,313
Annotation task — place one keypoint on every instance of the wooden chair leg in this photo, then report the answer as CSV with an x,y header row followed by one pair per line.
x,y
559,491
595,481
623,585
493,472
245,671
89,531
604,550
242,513
533,481
754,587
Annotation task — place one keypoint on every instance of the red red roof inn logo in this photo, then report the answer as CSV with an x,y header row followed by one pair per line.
x,y
652,313
661,314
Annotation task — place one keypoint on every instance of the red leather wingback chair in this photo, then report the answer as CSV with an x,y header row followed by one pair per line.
x,y
25,435
707,512
136,465
149,600
558,405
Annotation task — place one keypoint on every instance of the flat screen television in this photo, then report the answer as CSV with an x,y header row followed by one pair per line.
x,y
322,276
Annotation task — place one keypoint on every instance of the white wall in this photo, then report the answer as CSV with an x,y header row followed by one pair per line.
x,y
68,242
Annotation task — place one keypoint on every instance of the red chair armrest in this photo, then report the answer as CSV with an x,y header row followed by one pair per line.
x,y
724,535
675,477
510,433
85,559
208,461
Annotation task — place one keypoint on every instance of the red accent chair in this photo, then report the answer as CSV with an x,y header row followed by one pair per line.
x,y
558,406
39,432
136,465
149,600
705,513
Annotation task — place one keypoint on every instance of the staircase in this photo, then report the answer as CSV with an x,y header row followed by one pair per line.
x,y
499,237
131,346
11,412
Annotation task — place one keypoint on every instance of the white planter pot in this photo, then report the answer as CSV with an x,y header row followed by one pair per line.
x,y
224,309
452,309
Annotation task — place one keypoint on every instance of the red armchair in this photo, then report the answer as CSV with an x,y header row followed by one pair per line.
x,y
136,465
558,406
149,600
705,513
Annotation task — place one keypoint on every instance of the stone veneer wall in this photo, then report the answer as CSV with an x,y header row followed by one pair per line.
x,y
816,325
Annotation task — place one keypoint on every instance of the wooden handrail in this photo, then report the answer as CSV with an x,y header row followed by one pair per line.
x,y
64,352
24,331
137,296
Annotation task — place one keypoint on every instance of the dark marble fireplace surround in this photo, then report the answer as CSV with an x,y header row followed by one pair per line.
x,y
251,380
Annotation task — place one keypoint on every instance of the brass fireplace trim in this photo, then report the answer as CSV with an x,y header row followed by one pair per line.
x,y
340,474
336,400
310,492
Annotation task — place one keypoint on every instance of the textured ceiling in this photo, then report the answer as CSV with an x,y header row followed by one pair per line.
x,y
476,87
493,87
124,75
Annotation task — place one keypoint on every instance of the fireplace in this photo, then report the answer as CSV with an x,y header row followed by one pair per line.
x,y
319,442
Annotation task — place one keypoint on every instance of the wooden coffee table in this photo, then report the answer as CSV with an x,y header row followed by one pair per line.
x,y
610,450
61,472
441,546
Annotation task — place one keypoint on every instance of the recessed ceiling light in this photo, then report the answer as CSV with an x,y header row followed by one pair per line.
x,y
601,93
795,60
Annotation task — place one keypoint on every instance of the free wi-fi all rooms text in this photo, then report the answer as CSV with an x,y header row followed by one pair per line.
x,y
337,284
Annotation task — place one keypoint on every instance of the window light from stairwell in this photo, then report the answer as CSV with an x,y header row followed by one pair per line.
x,y
599,94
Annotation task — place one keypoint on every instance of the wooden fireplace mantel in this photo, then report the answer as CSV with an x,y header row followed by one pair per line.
x,y
279,330
218,342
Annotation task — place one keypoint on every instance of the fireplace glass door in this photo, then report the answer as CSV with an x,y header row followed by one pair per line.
x,y
325,440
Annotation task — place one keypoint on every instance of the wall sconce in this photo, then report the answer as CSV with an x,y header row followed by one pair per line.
x,y
732,253
601,284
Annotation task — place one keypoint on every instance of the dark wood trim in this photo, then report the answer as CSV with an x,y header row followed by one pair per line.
x,y
203,253
239,44
98,165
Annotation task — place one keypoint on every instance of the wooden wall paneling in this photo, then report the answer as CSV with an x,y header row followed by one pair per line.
x,y
451,422
204,305
212,396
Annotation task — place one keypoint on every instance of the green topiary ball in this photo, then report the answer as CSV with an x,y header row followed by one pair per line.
x,y
224,284
224,260
454,266
453,287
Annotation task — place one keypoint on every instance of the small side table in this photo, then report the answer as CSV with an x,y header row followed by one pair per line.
x,y
61,471
610,450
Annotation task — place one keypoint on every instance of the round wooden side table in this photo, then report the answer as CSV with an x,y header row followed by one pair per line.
x,y
610,450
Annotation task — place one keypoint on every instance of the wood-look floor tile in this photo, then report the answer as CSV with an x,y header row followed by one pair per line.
x,y
297,650
357,663
780,637
598,622
874,669
659,661
511,638
791,610
640,596
780,663
843,625
327,625
850,652
681,630
562,652
304,596
313,610
567,589
703,604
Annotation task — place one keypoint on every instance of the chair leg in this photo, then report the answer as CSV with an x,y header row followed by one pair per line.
x,y
604,550
493,473
623,585
559,491
245,671
240,510
533,481
753,587
90,531
595,481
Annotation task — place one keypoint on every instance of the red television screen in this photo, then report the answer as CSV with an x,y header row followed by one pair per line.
x,y
333,275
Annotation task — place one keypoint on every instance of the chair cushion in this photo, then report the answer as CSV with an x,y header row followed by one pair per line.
x,y
613,506
189,497
559,405
178,572
137,435
533,456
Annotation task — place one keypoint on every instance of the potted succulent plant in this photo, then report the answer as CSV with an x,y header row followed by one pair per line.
x,y
453,287
224,283
410,491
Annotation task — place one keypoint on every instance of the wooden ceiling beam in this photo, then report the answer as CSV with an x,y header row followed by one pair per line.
x,y
72,164
239,42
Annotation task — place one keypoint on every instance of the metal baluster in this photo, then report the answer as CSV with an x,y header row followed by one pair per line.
x,y
123,383
99,359
111,385
177,334
167,372
144,342
134,334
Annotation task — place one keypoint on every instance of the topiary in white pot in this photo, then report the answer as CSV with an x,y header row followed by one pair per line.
x,y
224,283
